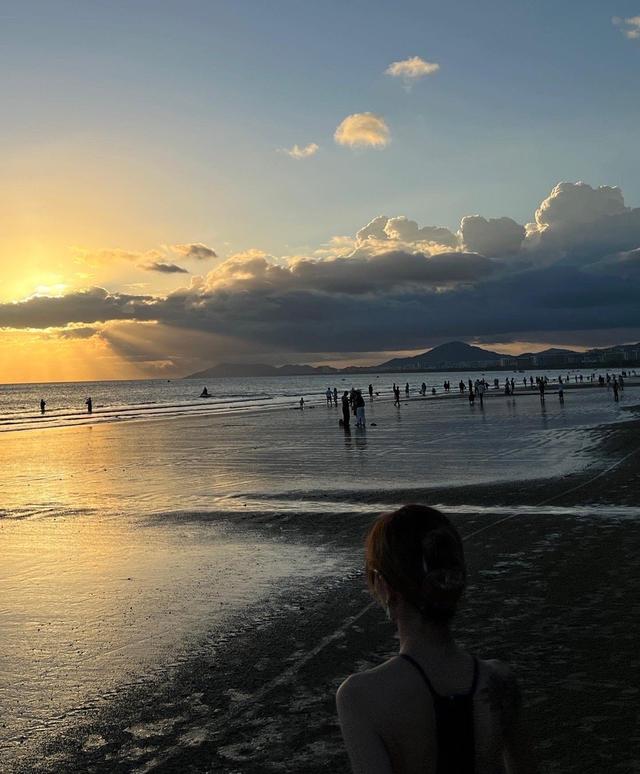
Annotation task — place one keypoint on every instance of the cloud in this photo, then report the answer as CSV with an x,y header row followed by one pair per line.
x,y
577,269
573,204
374,228
302,152
405,230
363,130
149,260
164,267
106,256
412,69
405,233
579,224
77,332
496,236
195,250
630,26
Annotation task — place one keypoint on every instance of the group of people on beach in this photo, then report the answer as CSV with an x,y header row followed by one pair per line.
x,y
352,401
353,404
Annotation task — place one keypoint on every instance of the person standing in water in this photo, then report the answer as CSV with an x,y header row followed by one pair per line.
x,y
360,421
396,395
371,393
335,397
301,404
89,405
329,396
433,707
615,389
43,404
346,410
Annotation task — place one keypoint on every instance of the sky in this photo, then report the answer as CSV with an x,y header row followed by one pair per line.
x,y
185,183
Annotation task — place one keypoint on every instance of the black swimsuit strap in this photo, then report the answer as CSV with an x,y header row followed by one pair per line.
x,y
428,683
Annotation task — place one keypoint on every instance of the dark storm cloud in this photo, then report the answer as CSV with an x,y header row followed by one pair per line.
x,y
354,275
85,306
578,269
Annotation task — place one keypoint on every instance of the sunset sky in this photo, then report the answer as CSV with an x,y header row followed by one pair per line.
x,y
191,182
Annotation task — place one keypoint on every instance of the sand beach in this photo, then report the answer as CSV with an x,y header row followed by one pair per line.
x,y
193,595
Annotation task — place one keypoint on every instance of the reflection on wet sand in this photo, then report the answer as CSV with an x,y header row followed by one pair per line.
x,y
91,604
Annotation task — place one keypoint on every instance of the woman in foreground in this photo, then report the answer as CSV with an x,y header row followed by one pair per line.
x,y
433,708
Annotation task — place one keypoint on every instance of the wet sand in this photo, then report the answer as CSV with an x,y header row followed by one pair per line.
x,y
553,591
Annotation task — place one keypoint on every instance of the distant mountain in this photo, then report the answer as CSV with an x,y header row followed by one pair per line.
x,y
557,351
260,369
446,357
455,352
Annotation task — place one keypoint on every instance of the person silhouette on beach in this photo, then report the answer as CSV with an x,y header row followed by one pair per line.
x,y
43,404
371,393
301,404
89,405
346,410
615,389
561,392
329,395
433,707
360,421
335,397
205,393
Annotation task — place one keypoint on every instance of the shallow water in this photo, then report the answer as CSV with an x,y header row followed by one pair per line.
x,y
92,604
118,401
215,462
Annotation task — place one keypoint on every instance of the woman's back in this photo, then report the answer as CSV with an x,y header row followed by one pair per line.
x,y
433,709
390,717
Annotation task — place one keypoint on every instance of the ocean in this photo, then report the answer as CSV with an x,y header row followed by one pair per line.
x,y
157,398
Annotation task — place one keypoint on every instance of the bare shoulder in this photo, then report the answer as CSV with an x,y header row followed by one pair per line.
x,y
370,686
499,687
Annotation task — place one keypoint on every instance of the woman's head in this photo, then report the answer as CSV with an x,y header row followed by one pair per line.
x,y
418,553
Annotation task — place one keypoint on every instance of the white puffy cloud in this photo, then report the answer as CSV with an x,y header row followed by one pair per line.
x,y
374,229
302,151
572,204
384,233
405,230
496,236
630,26
363,130
412,69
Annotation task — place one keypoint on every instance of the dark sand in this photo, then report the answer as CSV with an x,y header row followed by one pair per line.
x,y
556,594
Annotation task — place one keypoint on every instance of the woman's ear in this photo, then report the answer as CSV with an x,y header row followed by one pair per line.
x,y
381,588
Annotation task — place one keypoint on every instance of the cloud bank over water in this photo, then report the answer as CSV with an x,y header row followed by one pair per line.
x,y
400,285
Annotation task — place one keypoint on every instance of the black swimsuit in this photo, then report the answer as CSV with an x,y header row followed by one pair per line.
x,y
454,725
